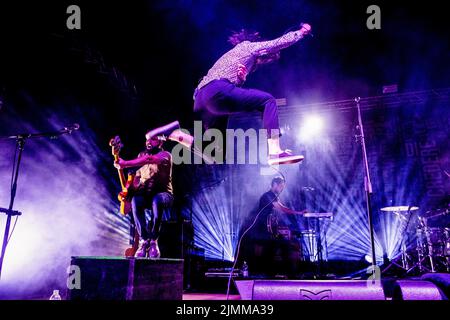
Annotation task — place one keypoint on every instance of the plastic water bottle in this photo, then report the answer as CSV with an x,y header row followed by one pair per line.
x,y
55,295
245,270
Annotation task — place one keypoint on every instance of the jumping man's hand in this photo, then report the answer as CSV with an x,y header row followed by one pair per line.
x,y
242,73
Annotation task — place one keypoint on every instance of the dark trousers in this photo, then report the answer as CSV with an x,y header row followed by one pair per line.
x,y
222,98
156,203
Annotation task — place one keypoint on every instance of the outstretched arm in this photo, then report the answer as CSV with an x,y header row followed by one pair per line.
x,y
142,160
277,205
269,47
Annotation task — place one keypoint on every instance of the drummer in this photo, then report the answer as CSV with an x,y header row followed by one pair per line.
x,y
268,243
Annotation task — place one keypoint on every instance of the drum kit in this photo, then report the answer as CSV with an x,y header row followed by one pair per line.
x,y
431,250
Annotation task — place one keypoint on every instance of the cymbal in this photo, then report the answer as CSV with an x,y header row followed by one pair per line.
x,y
318,214
400,209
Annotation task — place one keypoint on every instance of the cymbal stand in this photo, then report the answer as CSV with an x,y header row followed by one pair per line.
x,y
319,254
421,256
404,256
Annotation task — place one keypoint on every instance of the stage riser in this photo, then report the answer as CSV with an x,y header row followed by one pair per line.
x,y
104,278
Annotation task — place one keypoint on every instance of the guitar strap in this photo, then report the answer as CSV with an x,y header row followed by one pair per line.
x,y
132,229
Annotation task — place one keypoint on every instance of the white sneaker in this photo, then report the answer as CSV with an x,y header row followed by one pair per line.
x,y
153,251
142,252
285,157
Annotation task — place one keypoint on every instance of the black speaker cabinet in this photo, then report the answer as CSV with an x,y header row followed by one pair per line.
x,y
175,238
118,278
176,241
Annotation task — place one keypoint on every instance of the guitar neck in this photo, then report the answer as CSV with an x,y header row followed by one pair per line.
x,y
121,174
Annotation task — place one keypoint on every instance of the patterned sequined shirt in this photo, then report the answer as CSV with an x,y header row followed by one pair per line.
x,y
246,53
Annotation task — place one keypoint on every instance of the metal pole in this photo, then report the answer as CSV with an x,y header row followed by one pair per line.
x,y
20,140
367,186
20,144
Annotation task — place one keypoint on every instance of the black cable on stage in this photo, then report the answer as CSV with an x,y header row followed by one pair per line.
x,y
247,230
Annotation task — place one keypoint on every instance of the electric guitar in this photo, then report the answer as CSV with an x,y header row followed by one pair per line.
x,y
124,195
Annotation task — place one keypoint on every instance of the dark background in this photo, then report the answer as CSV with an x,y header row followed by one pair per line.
x,y
134,65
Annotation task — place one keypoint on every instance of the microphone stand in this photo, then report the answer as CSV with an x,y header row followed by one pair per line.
x,y
20,144
367,186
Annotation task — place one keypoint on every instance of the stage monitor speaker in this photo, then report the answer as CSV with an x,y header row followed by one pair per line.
x,y
416,290
119,278
309,290
441,280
